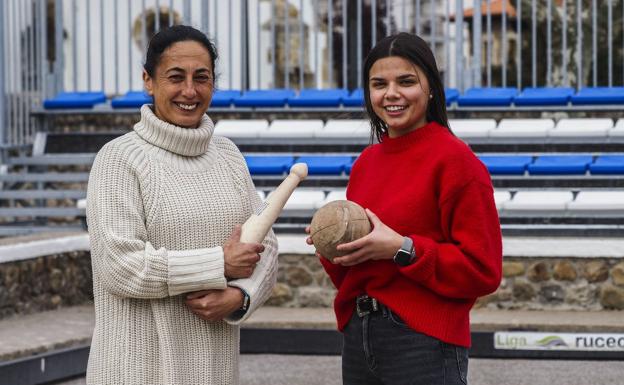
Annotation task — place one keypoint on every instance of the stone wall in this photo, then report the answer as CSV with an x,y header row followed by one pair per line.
x,y
302,282
54,281
528,283
559,283
45,283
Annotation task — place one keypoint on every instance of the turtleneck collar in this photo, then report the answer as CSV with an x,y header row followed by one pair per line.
x,y
404,142
179,140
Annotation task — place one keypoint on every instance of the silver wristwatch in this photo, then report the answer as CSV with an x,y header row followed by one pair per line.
x,y
406,255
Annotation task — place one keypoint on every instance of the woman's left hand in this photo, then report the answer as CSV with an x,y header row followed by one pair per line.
x,y
381,243
215,305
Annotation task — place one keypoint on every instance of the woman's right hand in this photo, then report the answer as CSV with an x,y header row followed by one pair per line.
x,y
240,258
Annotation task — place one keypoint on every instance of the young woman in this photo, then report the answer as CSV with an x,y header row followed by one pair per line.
x,y
405,290
171,278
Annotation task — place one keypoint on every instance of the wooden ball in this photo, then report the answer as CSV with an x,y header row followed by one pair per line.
x,y
335,223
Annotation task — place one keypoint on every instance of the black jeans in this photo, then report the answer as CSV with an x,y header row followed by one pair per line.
x,y
380,349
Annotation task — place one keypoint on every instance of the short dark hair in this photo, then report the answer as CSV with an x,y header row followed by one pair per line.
x,y
417,51
174,34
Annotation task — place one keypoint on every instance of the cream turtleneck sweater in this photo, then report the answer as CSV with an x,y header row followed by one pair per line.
x,y
162,200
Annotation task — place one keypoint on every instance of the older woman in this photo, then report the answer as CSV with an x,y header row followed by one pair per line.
x,y
165,202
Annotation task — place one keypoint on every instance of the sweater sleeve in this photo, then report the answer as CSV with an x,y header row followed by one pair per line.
x,y
259,285
468,266
124,261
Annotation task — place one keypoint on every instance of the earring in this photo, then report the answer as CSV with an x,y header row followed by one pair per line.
x,y
430,96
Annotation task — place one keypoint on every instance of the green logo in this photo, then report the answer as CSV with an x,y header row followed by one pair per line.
x,y
551,342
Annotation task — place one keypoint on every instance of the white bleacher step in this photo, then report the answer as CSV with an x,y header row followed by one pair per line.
x,y
241,128
582,127
17,230
335,195
42,194
41,212
528,201
618,129
53,159
46,177
291,128
598,201
501,197
472,128
521,128
345,128
305,200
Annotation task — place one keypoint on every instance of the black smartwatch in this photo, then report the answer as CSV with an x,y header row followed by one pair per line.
x,y
406,255
240,312
245,305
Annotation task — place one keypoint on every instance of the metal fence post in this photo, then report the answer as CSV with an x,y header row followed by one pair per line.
x,y
245,46
459,44
3,127
59,64
476,42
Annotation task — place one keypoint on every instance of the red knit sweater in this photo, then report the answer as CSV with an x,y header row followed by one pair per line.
x,y
427,185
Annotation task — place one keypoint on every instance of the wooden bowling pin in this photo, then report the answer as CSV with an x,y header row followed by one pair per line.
x,y
260,222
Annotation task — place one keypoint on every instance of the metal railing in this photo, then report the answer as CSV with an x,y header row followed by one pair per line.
x,y
49,46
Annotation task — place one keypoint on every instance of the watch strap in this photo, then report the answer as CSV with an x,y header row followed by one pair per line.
x,y
246,301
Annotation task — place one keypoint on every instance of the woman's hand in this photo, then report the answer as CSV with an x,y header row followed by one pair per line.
x,y
310,242
240,258
215,305
381,243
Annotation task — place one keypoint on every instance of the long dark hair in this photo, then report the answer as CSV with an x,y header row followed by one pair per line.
x,y
174,34
415,50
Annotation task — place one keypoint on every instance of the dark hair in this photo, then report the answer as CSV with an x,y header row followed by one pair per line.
x,y
415,50
174,34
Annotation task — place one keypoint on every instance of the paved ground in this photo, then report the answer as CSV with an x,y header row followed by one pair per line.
x,y
324,370
22,336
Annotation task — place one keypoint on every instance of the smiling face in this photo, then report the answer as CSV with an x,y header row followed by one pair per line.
x,y
399,94
182,84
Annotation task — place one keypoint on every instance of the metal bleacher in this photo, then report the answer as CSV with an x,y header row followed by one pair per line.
x,y
552,126
562,177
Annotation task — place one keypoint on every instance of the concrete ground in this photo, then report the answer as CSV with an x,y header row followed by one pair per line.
x,y
68,327
325,370
23,336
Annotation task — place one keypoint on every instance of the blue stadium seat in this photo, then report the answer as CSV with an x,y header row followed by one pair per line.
x,y
355,99
451,95
326,165
132,99
75,100
506,165
560,164
264,98
599,95
349,167
544,96
269,165
318,98
608,164
487,97
224,98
